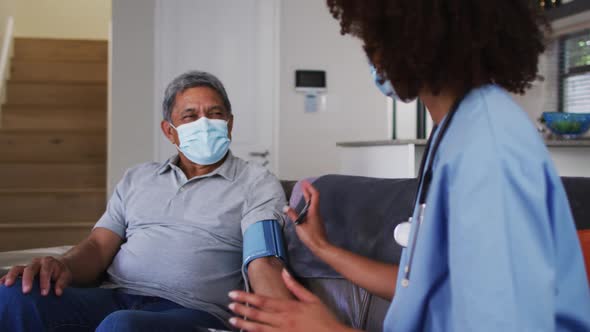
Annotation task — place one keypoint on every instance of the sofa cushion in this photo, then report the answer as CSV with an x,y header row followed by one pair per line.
x,y
347,301
359,215
288,187
578,194
297,193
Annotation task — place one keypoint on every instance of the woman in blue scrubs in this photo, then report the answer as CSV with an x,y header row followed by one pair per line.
x,y
492,245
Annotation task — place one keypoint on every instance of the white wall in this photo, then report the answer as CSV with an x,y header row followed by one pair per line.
x,y
7,8
77,19
131,124
310,39
241,50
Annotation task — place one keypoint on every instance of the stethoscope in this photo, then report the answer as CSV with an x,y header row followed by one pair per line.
x,y
402,231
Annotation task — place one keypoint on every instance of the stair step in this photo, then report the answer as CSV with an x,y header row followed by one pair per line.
x,y
42,117
19,236
60,50
45,71
63,146
48,206
88,94
45,176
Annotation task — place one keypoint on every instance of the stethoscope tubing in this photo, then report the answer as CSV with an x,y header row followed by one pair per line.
x,y
424,181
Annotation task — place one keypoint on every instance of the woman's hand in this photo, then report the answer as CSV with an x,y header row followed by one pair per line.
x,y
267,314
311,230
376,277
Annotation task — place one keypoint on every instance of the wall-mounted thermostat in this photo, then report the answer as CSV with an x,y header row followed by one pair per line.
x,y
312,83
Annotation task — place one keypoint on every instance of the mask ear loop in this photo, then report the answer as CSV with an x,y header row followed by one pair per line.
x,y
176,145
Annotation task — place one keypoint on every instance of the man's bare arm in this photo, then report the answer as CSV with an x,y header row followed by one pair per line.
x,y
265,278
90,258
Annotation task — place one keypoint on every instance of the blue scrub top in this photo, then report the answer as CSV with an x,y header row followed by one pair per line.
x,y
498,249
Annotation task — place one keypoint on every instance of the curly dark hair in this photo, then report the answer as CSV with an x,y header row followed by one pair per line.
x,y
451,44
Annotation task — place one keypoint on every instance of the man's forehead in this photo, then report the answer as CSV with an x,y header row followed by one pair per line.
x,y
198,97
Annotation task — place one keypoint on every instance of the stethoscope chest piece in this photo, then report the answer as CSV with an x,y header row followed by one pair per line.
x,y
401,233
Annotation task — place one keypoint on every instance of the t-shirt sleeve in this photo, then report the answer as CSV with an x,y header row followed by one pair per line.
x,y
113,218
265,201
499,244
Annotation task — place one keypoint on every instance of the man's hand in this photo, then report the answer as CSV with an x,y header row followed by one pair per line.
x,y
48,268
83,264
271,314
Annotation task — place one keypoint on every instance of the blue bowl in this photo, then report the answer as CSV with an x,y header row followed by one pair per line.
x,y
567,125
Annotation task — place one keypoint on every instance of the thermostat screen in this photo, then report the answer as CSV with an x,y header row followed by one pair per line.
x,y
310,79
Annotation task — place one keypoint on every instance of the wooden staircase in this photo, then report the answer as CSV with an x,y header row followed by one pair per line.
x,y
53,143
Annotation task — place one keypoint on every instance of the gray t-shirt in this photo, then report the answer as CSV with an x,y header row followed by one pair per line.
x,y
183,238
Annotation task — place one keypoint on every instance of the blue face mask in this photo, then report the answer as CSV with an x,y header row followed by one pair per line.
x,y
385,85
204,141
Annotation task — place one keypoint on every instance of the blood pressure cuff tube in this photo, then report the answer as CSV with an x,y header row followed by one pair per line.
x,y
262,239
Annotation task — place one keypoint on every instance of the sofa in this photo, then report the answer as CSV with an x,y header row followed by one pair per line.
x,y
360,214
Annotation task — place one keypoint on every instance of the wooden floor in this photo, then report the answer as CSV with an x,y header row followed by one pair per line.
x,y
53,143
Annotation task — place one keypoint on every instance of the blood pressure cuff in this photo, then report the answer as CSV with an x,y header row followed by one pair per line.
x,y
263,239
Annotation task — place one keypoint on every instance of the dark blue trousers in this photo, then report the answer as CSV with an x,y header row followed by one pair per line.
x,y
95,309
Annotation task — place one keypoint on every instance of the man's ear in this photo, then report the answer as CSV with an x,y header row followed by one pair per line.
x,y
168,131
230,125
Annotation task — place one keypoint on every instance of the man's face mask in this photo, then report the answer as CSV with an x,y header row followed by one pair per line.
x,y
385,85
204,141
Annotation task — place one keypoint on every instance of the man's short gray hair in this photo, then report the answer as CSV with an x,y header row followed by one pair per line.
x,y
191,79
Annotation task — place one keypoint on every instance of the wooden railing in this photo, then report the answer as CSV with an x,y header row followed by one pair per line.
x,y
5,54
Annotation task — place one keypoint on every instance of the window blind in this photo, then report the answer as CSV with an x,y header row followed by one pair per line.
x,y
574,81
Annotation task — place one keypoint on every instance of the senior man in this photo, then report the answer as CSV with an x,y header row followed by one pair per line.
x,y
170,240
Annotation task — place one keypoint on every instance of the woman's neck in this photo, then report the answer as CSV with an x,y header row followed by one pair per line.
x,y
438,105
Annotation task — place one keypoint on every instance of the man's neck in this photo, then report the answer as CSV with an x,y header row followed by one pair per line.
x,y
192,170
438,105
